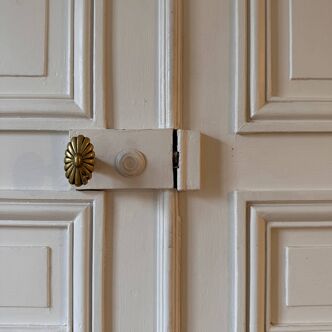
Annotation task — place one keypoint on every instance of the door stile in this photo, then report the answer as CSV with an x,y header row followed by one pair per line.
x,y
168,263
99,76
168,241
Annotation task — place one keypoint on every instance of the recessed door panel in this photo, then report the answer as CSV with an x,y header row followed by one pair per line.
x,y
287,271
284,52
46,60
48,247
17,57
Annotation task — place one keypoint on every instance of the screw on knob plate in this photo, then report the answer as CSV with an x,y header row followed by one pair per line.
x,y
130,163
79,160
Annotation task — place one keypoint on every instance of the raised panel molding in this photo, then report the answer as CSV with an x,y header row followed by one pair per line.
x,y
310,57
51,256
280,261
308,281
282,82
17,57
24,277
51,61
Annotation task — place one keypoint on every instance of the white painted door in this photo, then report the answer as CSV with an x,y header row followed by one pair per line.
x,y
250,251
84,261
257,238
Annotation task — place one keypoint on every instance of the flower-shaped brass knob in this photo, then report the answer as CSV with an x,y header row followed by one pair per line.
x,y
79,160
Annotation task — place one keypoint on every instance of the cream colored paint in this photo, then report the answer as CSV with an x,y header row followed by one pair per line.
x,y
142,227
233,162
206,214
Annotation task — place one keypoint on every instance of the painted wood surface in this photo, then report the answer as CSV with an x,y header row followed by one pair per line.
x,y
86,67
281,80
46,236
281,241
170,261
289,168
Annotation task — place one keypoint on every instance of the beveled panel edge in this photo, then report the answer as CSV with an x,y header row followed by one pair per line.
x,y
240,202
252,112
87,108
95,201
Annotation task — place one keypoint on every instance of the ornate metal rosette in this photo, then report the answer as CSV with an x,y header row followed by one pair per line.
x,y
79,160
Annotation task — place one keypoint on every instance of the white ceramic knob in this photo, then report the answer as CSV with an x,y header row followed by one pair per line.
x,y
130,162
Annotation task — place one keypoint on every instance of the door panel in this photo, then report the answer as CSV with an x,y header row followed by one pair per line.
x,y
272,153
246,66
50,64
287,76
281,275
310,58
51,260
54,36
282,238
79,65
34,22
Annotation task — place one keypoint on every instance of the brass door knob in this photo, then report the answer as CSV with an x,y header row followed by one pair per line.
x,y
79,160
